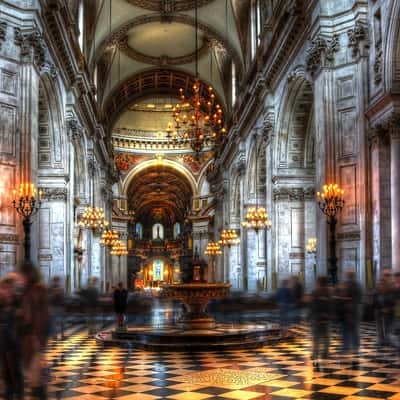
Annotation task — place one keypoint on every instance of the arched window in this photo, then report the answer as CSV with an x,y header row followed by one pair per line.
x,y
255,26
80,24
177,230
139,230
158,232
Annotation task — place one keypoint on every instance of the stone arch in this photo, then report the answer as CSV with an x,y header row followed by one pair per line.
x,y
296,128
392,49
51,140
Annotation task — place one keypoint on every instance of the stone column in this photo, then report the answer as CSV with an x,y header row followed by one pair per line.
x,y
395,193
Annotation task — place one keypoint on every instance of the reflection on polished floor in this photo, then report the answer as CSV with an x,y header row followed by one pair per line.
x,y
81,369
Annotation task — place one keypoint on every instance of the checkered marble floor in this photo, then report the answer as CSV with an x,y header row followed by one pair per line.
x,y
83,370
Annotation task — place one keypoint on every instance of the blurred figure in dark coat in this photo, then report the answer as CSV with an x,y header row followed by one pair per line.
x,y
57,303
120,303
321,313
284,299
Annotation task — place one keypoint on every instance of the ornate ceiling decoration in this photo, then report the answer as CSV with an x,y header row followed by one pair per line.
x,y
162,60
147,83
119,36
167,6
160,190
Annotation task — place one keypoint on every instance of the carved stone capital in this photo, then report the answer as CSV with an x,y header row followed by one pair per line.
x,y
75,130
321,52
3,32
33,47
54,194
358,37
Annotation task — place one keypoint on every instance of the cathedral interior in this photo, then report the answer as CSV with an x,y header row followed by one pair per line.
x,y
237,145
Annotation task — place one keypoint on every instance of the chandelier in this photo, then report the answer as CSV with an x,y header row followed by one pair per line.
x,y
93,218
119,249
311,246
229,237
198,117
256,218
213,249
108,237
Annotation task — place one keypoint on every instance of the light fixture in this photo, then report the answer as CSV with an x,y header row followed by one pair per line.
x,y
331,202
213,249
311,246
198,118
108,237
27,204
119,249
93,218
256,217
229,237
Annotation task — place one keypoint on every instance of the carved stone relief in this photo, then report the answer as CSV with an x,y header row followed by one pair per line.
x,y
358,36
321,52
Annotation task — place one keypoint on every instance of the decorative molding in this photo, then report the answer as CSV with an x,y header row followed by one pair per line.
x,y
9,238
54,194
240,167
3,32
358,36
75,130
45,257
168,6
300,255
268,126
321,52
293,194
349,236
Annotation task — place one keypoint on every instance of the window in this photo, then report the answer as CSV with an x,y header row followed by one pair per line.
x,y
255,26
139,231
177,230
158,232
80,24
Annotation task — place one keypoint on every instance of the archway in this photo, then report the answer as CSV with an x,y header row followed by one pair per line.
x,y
293,193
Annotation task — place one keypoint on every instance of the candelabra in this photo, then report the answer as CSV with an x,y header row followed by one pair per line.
x,y
119,249
256,218
331,202
213,250
93,218
27,204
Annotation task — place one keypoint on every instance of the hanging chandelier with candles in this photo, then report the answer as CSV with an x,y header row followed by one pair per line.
x,y
331,200
198,118
119,249
229,237
93,218
213,249
108,237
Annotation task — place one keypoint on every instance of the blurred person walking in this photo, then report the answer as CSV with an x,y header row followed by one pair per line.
x,y
92,300
320,317
120,303
348,309
57,303
10,341
297,293
284,299
35,325
384,307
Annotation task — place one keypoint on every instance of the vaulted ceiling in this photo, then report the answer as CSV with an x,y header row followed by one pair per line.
x,y
137,41
160,194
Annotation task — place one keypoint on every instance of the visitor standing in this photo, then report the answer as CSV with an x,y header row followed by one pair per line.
x,y
57,303
92,299
120,303
320,317
35,329
284,299
10,343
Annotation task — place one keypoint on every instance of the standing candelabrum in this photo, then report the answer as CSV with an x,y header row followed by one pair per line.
x,y
331,202
311,248
119,249
27,203
213,250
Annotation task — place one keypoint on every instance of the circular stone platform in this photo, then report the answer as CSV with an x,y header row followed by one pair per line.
x,y
172,338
